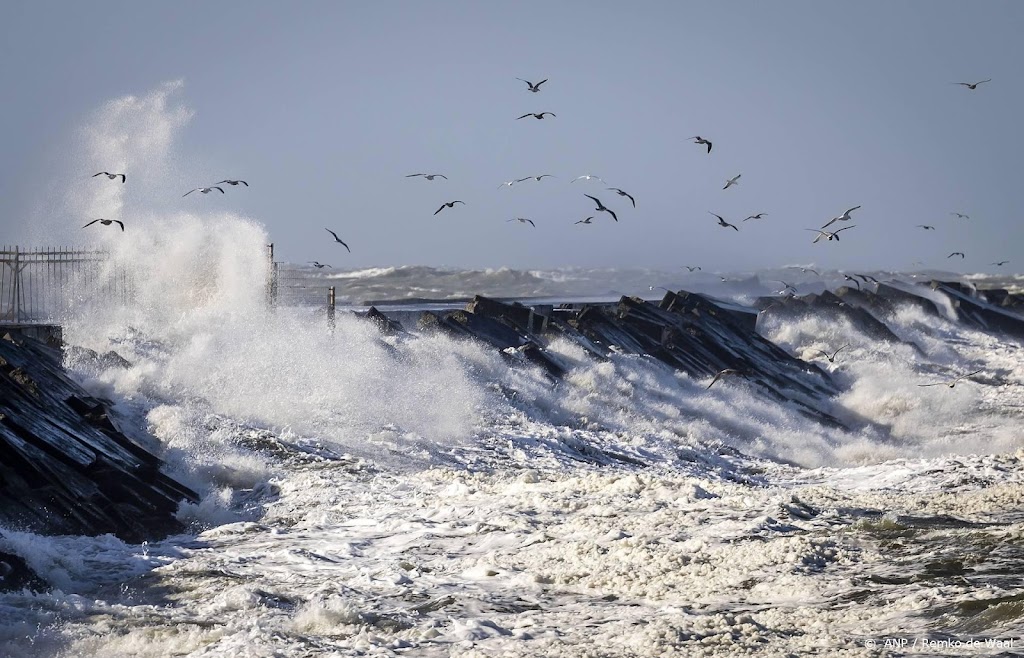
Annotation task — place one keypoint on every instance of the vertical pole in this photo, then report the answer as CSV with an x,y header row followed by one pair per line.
x,y
272,284
330,307
16,292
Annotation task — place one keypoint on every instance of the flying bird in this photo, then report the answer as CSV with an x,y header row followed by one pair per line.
x,y
845,217
233,182
732,181
533,87
623,193
724,373
508,183
1001,263
448,204
318,266
834,235
523,220
805,270
587,177
832,357
926,227
107,222
111,176
428,176
850,278
951,383
535,115
691,268
757,216
697,139
337,239
956,253
866,278
205,190
789,286
536,178
601,208
723,223
588,220
971,85
960,215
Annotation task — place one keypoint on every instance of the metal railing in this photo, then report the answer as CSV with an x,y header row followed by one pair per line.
x,y
290,286
40,285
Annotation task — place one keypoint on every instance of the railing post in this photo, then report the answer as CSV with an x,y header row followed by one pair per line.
x,y
330,307
272,284
16,290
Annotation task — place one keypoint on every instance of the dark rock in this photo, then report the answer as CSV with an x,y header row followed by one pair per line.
x,y
65,467
16,575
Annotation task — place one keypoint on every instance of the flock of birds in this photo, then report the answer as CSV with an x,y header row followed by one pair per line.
x,y
600,207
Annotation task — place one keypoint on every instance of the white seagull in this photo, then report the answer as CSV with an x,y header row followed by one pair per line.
x,y
318,266
732,181
832,357
428,176
951,383
533,87
205,190
107,222
233,182
536,178
522,220
971,85
111,176
723,223
588,220
757,216
831,235
960,215
845,217
587,177
337,239
697,139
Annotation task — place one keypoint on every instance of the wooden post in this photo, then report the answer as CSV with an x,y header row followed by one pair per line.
x,y
330,307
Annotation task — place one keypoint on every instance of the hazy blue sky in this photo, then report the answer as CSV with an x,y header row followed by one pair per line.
x,y
324,107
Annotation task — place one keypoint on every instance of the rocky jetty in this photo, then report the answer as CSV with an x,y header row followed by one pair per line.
x,y
701,335
65,467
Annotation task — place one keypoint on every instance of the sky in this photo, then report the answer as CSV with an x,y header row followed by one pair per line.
x,y
324,108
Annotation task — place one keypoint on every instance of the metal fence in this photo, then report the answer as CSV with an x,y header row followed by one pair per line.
x,y
39,285
291,286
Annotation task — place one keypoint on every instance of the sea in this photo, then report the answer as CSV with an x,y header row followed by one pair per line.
x,y
420,495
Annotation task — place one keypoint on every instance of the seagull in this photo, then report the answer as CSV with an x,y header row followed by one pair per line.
x,y
318,266
805,270
536,115
697,139
448,204
534,87
601,208
850,278
723,223
960,215
926,227
845,217
956,253
834,235
732,181
866,278
587,177
233,182
204,190
757,216
428,176
111,176
1001,263
508,183
523,220
107,222
625,194
536,178
789,286
585,221
723,373
951,383
971,85
691,268
337,239
832,357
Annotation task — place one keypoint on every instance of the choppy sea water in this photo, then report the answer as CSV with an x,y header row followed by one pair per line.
x,y
417,495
